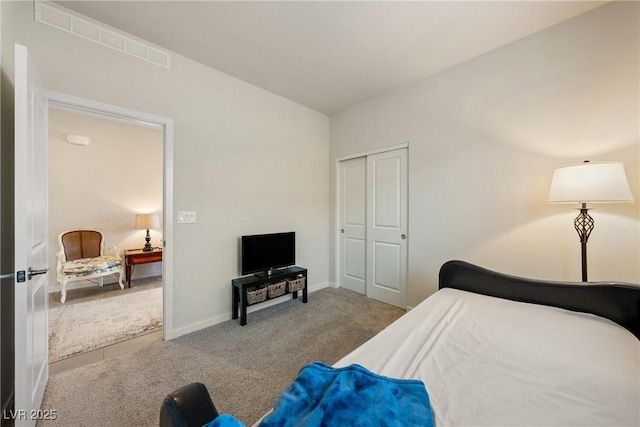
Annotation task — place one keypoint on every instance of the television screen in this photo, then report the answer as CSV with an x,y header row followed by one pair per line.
x,y
264,252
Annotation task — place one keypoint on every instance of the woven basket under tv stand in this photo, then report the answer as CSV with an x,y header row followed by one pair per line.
x,y
242,285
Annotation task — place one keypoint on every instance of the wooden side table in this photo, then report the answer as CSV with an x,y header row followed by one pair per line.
x,y
138,256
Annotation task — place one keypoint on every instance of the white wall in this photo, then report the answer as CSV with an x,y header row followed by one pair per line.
x,y
485,137
103,186
245,160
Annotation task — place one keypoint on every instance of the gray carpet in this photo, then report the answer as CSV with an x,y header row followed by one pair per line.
x,y
244,367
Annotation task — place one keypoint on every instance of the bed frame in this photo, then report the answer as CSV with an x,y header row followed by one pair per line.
x,y
618,302
191,405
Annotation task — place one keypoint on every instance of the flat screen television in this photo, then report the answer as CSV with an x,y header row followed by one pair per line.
x,y
262,253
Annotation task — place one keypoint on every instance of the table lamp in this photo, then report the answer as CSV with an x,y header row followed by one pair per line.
x,y
589,182
147,221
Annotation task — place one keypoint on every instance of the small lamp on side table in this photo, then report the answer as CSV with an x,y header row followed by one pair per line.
x,y
147,221
597,182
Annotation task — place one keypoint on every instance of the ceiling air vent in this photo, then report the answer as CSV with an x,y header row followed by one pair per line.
x,y
72,24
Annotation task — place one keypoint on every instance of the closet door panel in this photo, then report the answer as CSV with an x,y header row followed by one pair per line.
x,y
353,229
387,227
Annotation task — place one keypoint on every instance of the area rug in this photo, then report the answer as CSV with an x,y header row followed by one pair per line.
x,y
86,326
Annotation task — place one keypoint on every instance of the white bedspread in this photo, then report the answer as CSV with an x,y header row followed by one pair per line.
x,y
491,362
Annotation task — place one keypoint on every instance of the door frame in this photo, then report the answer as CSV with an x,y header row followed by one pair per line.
x,y
336,237
114,111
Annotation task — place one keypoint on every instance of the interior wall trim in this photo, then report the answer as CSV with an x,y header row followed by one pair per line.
x,y
100,108
371,152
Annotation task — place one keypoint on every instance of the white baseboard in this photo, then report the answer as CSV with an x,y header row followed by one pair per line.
x,y
175,333
184,330
319,286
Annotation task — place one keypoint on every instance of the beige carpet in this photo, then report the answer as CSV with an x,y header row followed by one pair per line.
x,y
245,368
86,326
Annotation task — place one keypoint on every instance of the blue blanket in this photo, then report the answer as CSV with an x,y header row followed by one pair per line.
x,y
350,396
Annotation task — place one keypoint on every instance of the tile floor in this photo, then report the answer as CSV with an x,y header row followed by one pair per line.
x,y
75,296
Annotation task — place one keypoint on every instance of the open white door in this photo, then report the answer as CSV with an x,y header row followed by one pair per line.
x,y
31,234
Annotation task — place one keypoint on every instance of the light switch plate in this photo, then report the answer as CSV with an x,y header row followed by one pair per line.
x,y
186,217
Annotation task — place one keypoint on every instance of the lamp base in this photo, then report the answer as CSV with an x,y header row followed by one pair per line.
x,y
584,226
147,246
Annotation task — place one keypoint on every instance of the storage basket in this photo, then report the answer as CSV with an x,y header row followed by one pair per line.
x,y
276,289
296,284
257,295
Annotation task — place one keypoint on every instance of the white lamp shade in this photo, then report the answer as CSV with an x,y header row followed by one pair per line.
x,y
147,221
597,182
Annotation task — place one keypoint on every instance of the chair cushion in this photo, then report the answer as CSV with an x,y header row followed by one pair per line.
x,y
87,266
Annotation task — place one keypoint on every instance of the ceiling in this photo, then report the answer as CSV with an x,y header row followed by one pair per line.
x,y
330,55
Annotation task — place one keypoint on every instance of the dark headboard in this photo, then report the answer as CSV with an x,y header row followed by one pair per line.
x,y
615,301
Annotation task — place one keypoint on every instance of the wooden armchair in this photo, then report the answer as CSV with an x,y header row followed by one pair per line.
x,y
81,257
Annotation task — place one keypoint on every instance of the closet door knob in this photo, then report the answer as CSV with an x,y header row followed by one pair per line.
x,y
342,230
403,236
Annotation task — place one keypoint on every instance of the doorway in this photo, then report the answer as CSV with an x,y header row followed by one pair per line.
x,y
145,170
373,220
102,173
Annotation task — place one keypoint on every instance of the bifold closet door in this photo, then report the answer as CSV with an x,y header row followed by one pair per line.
x,y
353,226
387,227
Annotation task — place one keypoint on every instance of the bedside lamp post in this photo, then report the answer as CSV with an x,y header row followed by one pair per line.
x,y
597,182
147,221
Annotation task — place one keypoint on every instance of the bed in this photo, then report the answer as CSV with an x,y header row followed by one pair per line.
x,y
494,349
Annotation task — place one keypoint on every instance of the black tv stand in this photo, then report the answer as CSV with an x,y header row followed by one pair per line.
x,y
273,273
241,285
